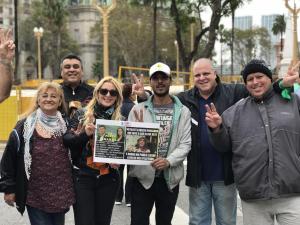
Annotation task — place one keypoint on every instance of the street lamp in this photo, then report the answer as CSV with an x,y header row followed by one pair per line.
x,y
177,61
38,33
294,11
104,10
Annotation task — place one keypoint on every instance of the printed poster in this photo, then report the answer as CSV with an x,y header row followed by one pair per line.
x,y
125,142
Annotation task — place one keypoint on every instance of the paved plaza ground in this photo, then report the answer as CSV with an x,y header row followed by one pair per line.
x,y
121,214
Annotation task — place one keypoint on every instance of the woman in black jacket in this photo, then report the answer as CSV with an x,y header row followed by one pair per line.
x,y
36,170
96,183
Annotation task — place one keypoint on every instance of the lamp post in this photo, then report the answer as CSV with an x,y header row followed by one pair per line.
x,y
38,33
294,11
177,61
104,10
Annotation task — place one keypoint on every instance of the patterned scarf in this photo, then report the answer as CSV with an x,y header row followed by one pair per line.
x,y
54,125
101,112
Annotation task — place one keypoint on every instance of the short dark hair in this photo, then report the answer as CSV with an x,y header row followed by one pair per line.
x,y
71,56
102,126
127,90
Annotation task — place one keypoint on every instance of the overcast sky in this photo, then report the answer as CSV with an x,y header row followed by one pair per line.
x,y
256,8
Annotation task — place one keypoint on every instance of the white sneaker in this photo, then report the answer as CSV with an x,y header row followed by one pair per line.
x,y
118,203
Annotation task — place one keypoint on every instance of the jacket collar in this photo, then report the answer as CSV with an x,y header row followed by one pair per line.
x,y
266,96
149,102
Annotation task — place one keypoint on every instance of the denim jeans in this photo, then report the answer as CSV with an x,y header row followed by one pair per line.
x,y
224,201
284,210
40,217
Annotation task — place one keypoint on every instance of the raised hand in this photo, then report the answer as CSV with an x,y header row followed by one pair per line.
x,y
292,75
212,118
10,199
139,116
7,46
90,126
138,85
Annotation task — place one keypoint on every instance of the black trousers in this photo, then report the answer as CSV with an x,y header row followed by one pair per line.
x,y
142,202
128,186
95,198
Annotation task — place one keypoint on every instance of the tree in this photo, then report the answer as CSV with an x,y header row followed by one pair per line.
x,y
181,11
154,4
130,34
56,41
252,43
279,28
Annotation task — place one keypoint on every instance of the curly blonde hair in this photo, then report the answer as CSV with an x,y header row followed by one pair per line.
x,y
89,114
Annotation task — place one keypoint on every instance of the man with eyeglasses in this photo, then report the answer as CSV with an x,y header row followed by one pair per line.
x,y
159,182
74,88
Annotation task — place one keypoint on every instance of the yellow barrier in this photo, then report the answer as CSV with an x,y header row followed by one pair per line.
x,y
180,78
21,96
8,116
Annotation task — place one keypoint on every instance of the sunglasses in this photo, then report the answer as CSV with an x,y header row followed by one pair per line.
x,y
112,93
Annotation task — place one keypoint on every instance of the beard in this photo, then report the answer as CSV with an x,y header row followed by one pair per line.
x,y
161,94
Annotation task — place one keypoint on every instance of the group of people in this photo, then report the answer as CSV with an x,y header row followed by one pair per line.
x,y
235,136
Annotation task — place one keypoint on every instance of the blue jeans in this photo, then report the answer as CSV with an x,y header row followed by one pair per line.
x,y
224,200
40,217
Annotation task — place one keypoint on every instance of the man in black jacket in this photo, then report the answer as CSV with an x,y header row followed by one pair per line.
x,y
209,173
72,73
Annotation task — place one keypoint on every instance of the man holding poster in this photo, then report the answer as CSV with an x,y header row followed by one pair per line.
x,y
159,183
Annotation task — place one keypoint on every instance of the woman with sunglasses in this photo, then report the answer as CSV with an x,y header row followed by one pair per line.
x,y
96,184
36,170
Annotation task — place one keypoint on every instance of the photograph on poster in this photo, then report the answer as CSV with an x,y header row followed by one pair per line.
x,y
125,142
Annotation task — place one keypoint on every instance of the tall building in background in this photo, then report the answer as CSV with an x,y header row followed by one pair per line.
x,y
267,22
7,13
83,16
243,22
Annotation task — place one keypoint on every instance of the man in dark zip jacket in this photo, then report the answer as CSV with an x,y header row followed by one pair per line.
x,y
263,133
72,73
209,173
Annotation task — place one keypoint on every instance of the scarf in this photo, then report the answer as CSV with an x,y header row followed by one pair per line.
x,y
55,125
101,112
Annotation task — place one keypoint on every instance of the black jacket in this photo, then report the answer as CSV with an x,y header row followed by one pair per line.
x,y
12,168
80,93
224,96
126,107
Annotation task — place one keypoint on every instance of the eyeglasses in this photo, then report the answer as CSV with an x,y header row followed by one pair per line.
x,y
68,66
112,93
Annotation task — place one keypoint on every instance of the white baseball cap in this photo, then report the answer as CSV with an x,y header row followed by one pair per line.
x,y
159,67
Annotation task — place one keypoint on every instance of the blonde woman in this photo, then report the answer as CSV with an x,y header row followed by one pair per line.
x,y
96,184
36,170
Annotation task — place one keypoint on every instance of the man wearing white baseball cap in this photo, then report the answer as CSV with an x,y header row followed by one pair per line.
x,y
159,182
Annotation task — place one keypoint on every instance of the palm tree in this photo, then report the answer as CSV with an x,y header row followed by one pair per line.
x,y
279,26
